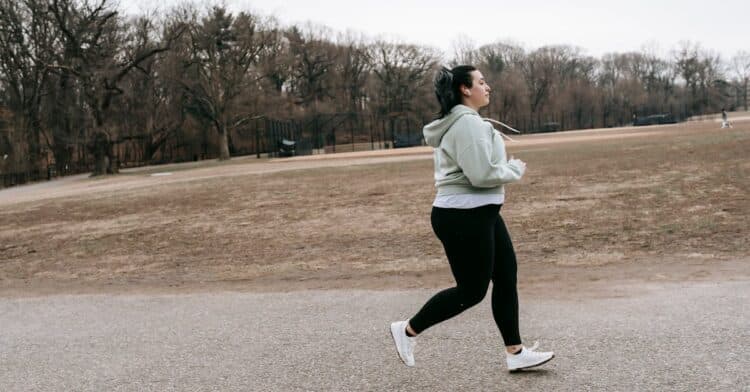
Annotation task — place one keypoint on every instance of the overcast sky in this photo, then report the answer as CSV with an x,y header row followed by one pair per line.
x,y
596,26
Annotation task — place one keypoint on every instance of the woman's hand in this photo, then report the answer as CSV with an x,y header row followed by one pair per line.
x,y
518,163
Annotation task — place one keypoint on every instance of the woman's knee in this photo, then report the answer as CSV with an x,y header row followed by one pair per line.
x,y
473,295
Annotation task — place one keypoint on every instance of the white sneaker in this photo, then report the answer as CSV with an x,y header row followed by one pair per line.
x,y
404,343
528,358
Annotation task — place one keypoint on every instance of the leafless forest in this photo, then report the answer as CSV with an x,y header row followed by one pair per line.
x,y
84,87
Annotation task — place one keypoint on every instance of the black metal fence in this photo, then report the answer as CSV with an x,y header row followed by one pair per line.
x,y
19,178
341,132
321,134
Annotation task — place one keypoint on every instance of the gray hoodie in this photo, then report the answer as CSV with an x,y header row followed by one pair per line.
x,y
469,155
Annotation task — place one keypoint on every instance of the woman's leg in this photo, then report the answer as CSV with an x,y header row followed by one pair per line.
x,y
505,304
504,293
467,237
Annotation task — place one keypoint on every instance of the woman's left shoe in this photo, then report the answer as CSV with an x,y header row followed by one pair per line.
x,y
404,343
528,358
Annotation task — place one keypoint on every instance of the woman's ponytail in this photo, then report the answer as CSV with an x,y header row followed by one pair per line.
x,y
447,85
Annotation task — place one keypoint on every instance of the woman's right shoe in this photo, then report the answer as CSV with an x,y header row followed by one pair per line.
x,y
404,343
528,358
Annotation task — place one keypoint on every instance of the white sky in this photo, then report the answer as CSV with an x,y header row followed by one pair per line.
x,y
598,27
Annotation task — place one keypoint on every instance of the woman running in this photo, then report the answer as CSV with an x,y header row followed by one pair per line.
x,y
470,171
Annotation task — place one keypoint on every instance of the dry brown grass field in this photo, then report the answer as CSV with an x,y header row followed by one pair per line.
x,y
649,204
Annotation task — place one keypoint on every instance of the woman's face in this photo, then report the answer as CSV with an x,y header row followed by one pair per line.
x,y
478,95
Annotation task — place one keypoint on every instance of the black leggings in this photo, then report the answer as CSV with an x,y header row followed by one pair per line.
x,y
479,249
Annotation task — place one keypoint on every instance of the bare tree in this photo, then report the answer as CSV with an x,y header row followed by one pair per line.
x,y
501,55
501,64
658,79
354,66
688,65
313,59
224,52
26,44
275,59
154,106
740,66
540,71
701,72
92,36
464,50
620,90
400,70
8,144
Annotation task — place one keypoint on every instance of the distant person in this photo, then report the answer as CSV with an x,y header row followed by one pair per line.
x,y
724,119
470,171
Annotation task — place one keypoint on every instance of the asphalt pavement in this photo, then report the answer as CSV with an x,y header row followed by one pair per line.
x,y
673,337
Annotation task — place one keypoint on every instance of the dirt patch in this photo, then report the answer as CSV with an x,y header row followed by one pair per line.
x,y
637,203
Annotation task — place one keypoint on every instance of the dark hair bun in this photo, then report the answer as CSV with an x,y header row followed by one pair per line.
x,y
444,85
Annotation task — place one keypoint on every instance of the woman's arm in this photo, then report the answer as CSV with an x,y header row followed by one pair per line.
x,y
475,156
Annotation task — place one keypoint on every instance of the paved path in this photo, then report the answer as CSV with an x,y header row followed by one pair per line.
x,y
689,337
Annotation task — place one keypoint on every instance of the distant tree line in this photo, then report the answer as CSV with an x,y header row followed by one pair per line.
x,y
85,88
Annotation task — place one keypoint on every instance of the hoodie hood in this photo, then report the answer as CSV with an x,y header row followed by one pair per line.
x,y
434,131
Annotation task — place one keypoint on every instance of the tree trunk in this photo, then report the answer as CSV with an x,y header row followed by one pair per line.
x,y
223,143
103,160
62,155
114,162
32,140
